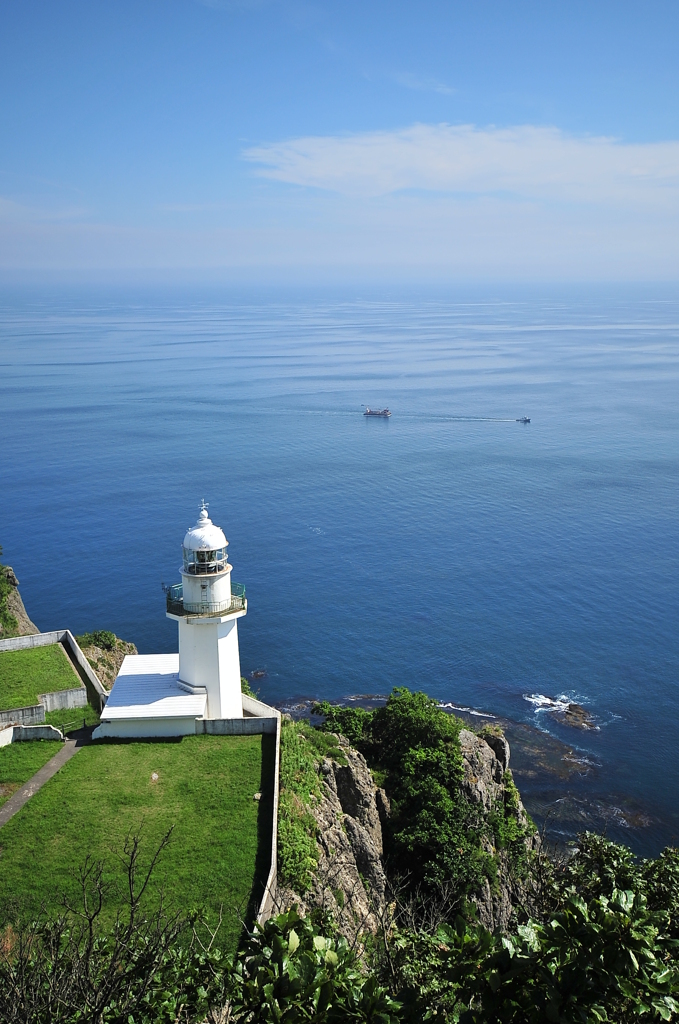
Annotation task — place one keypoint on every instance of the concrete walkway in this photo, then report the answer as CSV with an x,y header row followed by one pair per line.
x,y
75,742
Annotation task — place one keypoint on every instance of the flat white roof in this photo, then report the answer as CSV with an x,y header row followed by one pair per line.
x,y
147,686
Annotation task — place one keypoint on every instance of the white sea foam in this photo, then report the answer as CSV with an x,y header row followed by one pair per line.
x,y
470,711
542,703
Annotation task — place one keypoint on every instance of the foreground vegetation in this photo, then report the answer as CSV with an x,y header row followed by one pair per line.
x,y
201,787
25,674
20,761
604,948
596,937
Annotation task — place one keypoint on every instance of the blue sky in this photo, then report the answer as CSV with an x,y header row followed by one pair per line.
x,y
263,141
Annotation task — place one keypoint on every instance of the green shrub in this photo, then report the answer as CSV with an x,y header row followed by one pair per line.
x,y
246,688
660,879
289,971
354,723
509,832
8,622
102,638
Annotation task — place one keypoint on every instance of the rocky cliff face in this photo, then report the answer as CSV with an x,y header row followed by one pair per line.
x,y
106,663
15,607
350,881
486,764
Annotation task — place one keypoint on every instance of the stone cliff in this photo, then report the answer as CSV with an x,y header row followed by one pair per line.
x,y
14,607
350,881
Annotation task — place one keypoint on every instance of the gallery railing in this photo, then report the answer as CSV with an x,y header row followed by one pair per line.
x,y
175,602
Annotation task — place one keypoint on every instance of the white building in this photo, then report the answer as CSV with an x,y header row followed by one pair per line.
x,y
172,694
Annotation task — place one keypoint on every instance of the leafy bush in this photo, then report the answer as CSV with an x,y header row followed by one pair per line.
x,y
354,723
603,960
102,638
8,622
246,688
595,952
288,972
509,832
661,882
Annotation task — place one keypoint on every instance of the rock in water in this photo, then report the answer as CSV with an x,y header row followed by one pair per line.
x,y
574,715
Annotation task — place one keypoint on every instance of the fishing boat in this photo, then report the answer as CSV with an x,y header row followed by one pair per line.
x,y
523,419
376,412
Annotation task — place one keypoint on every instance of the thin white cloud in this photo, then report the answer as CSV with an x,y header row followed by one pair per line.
x,y
10,210
528,161
410,81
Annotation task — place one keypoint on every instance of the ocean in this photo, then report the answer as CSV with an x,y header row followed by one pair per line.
x,y
497,565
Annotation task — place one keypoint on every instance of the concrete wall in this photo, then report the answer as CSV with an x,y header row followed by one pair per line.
x,y
95,690
235,726
23,716
21,734
61,700
144,728
268,903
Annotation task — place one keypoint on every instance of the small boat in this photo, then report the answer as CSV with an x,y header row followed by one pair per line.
x,y
376,412
523,419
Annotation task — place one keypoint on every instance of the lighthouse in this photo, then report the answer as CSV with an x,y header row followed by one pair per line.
x,y
207,606
197,690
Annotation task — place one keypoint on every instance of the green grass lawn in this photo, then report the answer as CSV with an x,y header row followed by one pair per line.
x,y
219,850
25,674
72,718
19,761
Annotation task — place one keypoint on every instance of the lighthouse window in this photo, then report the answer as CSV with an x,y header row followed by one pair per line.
x,y
202,563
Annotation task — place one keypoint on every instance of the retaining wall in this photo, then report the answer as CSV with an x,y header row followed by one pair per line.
x,y
62,700
268,902
23,733
235,726
95,691
33,715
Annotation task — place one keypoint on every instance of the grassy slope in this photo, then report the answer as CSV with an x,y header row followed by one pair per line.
x,y
25,674
219,852
72,718
19,761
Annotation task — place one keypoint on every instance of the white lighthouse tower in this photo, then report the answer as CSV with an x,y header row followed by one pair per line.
x,y
198,689
207,606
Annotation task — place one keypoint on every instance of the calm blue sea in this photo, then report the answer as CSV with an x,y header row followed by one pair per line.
x,y
448,548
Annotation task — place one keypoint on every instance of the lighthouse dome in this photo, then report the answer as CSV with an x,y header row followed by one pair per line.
x,y
204,535
205,548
